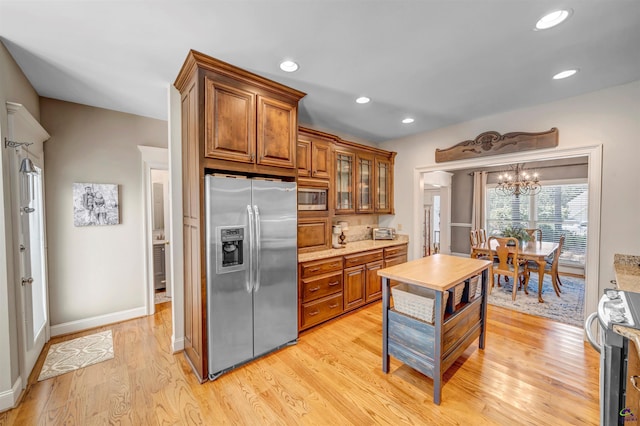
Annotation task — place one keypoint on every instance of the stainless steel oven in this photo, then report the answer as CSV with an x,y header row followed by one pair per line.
x,y
614,307
312,198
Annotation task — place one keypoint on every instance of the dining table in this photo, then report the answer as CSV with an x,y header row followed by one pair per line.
x,y
536,251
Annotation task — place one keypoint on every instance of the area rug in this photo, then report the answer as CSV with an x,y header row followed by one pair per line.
x,y
77,353
568,308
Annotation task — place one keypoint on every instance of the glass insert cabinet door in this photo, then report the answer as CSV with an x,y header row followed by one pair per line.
x,y
364,184
383,186
344,182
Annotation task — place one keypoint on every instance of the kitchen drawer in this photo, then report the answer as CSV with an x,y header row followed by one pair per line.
x,y
321,310
362,258
317,267
395,251
316,287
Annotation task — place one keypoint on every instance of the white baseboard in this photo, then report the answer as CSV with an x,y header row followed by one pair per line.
x,y
9,398
177,345
86,324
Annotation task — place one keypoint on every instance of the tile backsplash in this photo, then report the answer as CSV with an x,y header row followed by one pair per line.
x,y
626,259
360,227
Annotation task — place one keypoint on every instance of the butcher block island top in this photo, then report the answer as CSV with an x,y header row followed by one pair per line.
x,y
431,347
439,272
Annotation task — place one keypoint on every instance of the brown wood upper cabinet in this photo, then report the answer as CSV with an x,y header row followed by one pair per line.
x,y
246,123
247,127
314,156
363,180
383,185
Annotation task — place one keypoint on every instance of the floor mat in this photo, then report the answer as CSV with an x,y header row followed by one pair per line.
x,y
77,353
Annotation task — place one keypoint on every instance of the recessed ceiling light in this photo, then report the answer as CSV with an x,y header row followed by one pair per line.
x,y
363,100
564,74
408,120
288,66
552,19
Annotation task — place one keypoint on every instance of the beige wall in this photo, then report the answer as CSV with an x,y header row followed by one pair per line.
x,y
95,272
14,87
610,118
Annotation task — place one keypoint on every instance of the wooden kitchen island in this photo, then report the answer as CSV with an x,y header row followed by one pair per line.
x,y
431,348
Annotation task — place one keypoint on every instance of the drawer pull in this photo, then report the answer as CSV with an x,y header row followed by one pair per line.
x,y
314,313
634,382
333,306
311,290
334,283
314,269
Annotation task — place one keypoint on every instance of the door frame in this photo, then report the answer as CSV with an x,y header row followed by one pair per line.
x,y
594,179
151,158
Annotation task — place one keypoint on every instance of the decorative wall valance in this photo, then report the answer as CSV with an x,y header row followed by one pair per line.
x,y
493,143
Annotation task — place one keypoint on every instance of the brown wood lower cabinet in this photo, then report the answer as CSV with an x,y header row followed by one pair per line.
x,y
395,256
374,282
354,284
330,287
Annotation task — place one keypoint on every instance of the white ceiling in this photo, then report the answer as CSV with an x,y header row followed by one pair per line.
x,y
441,62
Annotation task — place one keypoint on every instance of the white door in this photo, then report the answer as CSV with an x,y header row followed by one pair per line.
x,y
33,277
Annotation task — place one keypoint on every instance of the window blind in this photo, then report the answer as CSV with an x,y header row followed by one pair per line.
x,y
558,209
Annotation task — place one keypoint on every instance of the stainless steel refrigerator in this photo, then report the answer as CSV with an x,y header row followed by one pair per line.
x,y
251,252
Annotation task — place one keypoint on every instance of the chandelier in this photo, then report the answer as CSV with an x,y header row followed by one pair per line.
x,y
518,182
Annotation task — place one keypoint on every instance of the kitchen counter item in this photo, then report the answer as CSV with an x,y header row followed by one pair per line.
x,y
383,234
432,348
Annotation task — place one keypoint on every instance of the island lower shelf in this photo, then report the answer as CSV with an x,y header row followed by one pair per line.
x,y
413,341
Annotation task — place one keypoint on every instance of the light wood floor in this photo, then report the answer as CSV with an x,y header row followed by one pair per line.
x,y
532,372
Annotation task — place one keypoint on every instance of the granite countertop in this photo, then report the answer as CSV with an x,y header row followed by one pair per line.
x,y
627,269
353,247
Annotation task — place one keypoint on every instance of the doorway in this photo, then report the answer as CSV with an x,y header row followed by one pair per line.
x,y
593,155
157,221
160,226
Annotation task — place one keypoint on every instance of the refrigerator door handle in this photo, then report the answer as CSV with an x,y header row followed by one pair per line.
x,y
258,237
249,271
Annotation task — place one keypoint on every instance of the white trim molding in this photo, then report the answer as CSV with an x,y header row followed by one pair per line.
x,y
594,179
9,398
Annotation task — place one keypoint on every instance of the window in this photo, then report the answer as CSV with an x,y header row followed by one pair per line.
x,y
559,208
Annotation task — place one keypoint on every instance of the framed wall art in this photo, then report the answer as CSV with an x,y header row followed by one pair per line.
x,y
95,204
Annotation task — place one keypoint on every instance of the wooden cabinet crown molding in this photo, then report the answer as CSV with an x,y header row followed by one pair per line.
x,y
197,59
345,144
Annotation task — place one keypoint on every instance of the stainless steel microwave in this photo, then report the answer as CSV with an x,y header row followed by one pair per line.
x,y
312,198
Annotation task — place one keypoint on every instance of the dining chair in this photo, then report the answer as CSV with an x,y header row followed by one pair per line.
x,y
473,237
551,267
509,263
482,236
